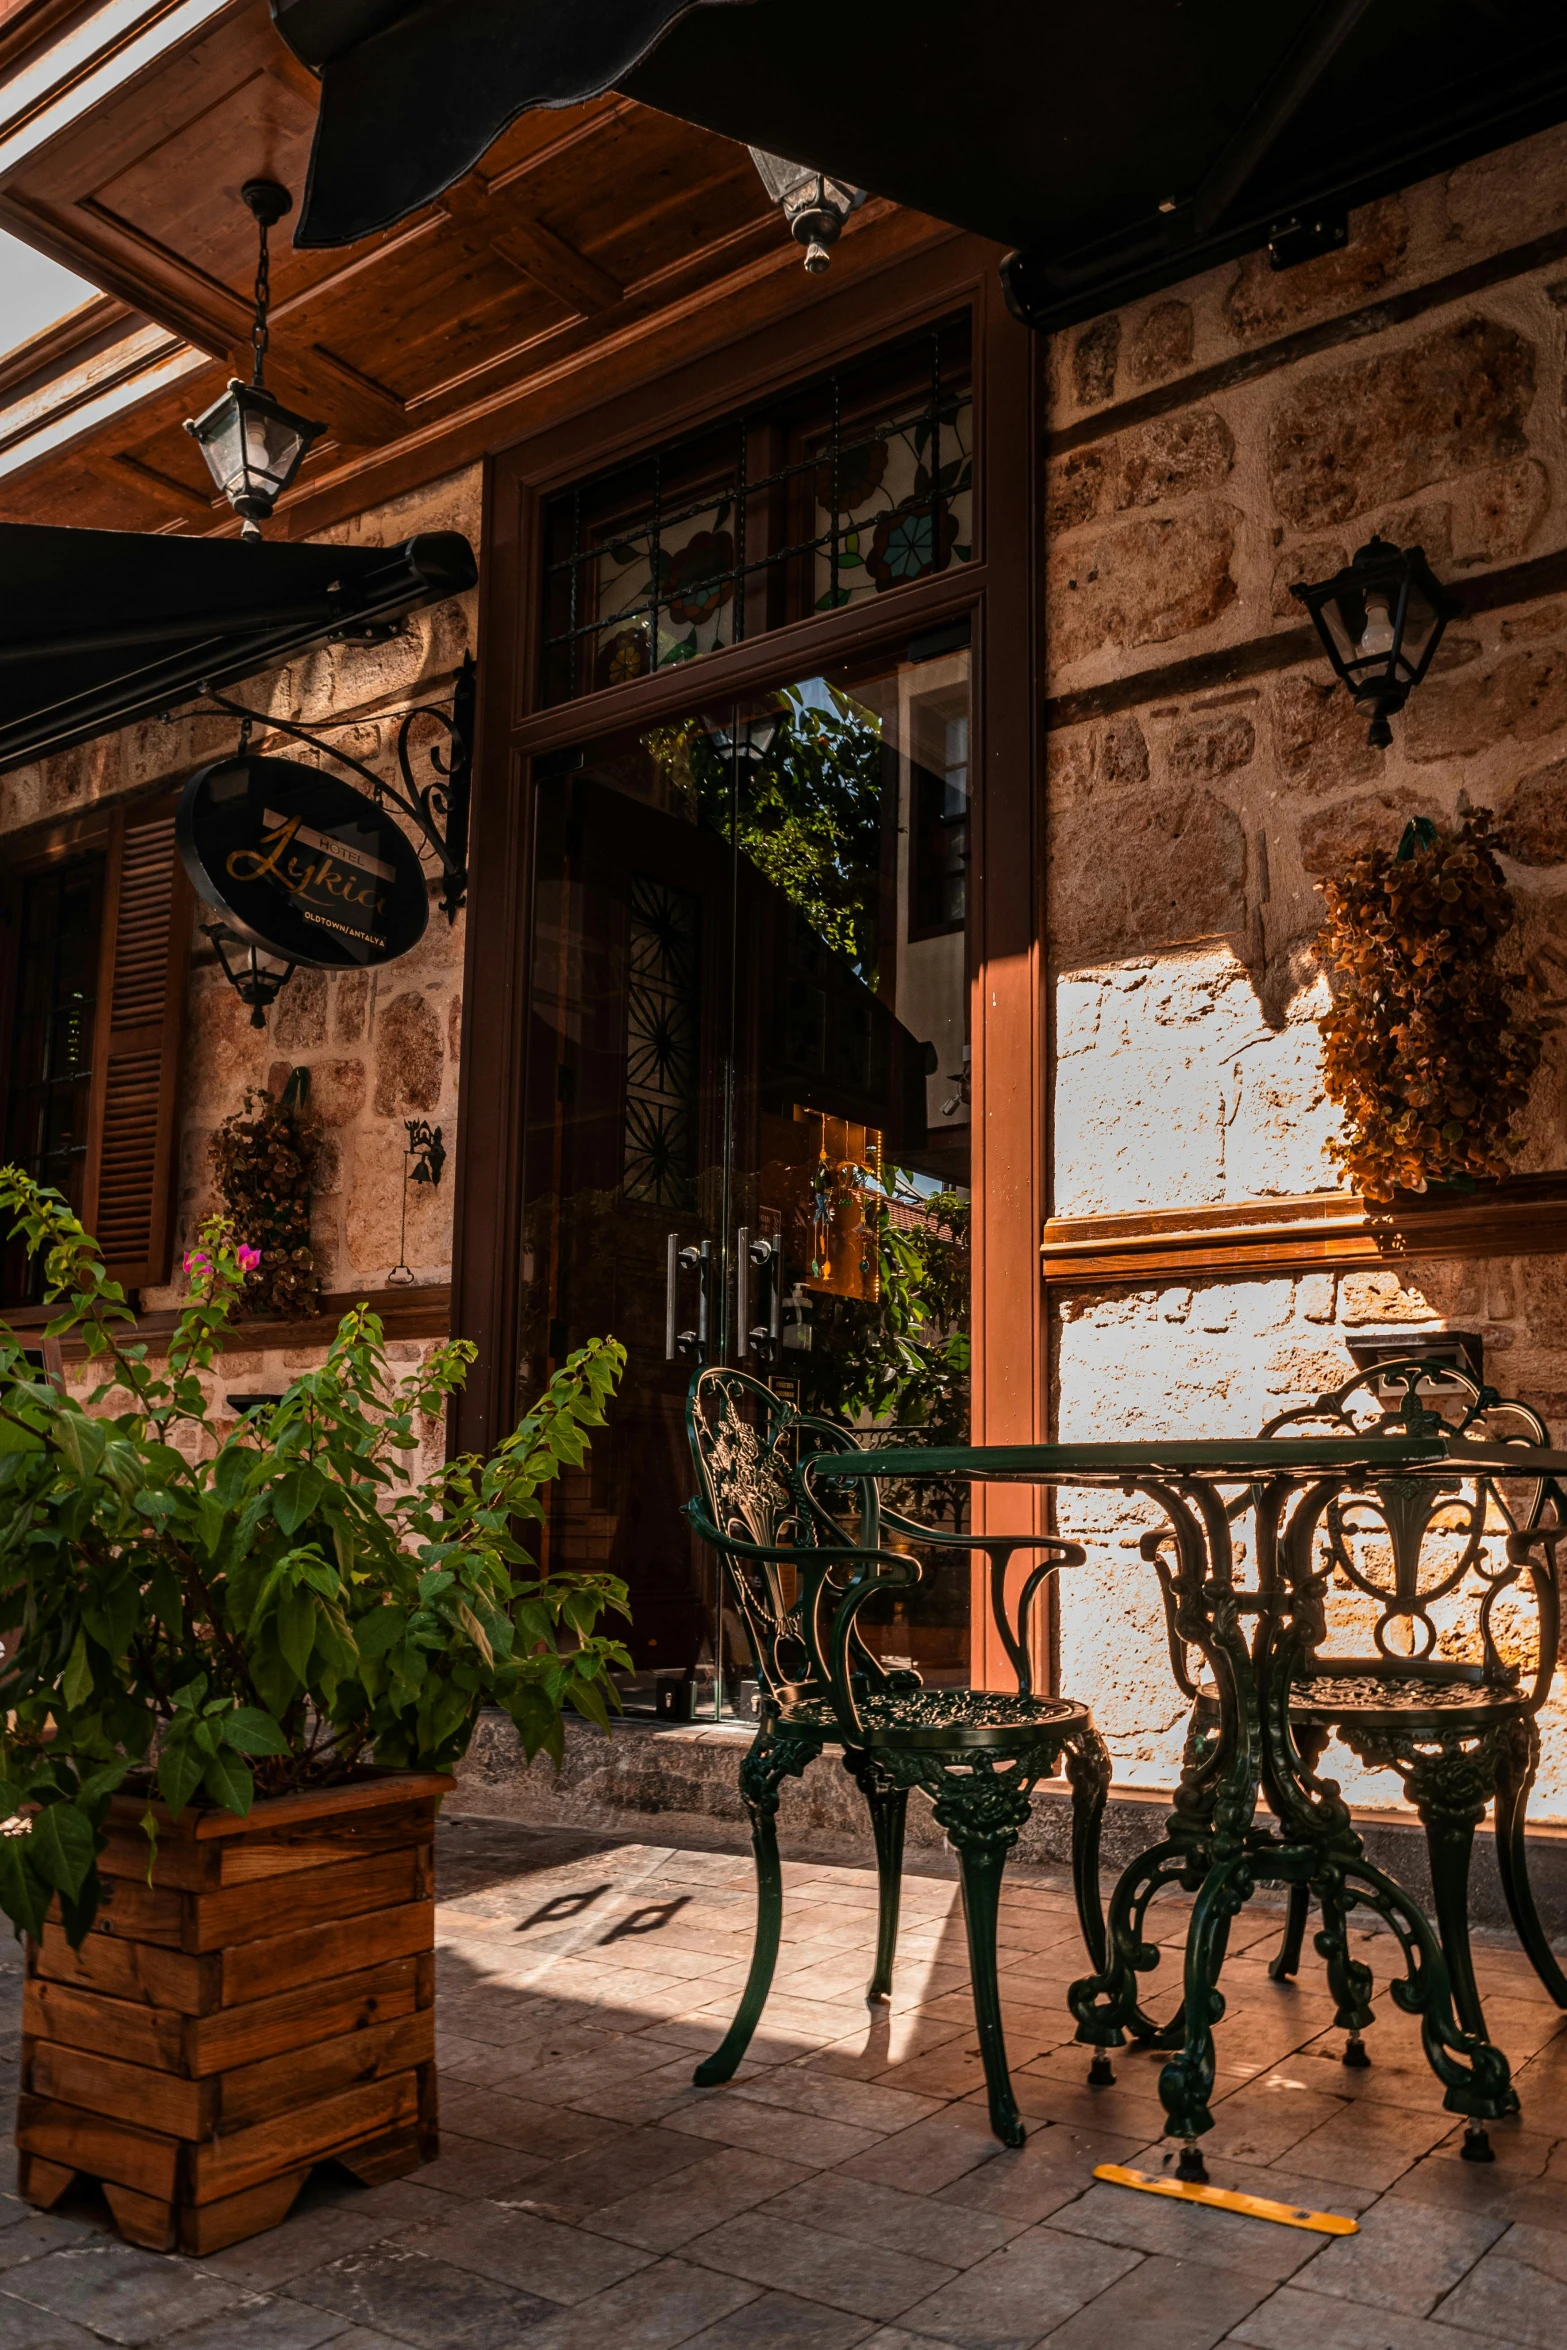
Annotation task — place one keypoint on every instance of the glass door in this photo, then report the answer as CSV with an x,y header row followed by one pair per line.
x,y
747,1109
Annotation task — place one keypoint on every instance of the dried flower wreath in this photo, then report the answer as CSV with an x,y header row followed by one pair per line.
x,y
264,1160
1425,1054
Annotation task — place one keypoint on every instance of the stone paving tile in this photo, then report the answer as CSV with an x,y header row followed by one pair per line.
x,y
1518,2289
843,2204
1400,2261
655,2310
660,2219
1011,2300
777,2321
264,2323
1369,2145
24,2327
430,2304
119,2292
1186,2232
864,2278
517,2247
933,2153
866,2105
607,2173
1051,2170
1163,2305
1293,2319
803,2138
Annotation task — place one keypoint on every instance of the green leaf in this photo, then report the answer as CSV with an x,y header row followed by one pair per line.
x,y
23,1897
61,1846
76,1681
380,1630
296,1496
228,1782
296,1630
249,1731
180,1768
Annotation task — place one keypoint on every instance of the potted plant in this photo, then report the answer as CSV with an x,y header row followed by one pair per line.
x,y
239,1663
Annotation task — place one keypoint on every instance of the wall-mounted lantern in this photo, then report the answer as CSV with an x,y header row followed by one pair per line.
x,y
253,446
1380,620
815,207
257,975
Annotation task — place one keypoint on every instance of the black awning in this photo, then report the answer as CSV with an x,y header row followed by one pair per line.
x,y
98,627
1119,148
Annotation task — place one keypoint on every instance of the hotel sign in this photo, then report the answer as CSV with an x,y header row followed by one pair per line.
x,y
301,865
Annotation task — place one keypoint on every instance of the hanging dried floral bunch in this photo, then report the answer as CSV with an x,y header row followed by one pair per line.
x,y
264,1159
1424,1054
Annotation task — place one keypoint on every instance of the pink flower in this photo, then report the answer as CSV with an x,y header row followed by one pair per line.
x,y
249,1258
196,1261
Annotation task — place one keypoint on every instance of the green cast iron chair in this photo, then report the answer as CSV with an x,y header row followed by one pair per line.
x,y
1457,1581
799,1582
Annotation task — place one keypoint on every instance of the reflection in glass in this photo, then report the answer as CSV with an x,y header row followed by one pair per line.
x,y
747,1075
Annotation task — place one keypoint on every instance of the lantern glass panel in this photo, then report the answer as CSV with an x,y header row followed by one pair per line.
x,y
221,439
1345,616
1421,623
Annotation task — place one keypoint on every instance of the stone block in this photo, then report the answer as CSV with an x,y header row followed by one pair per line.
x,y
337,1091
1263,301
1211,744
409,1053
1375,820
1524,695
454,1031
350,999
1143,584
1506,507
1191,450
1079,486
1532,820
1516,192
1137,870
1373,1297
298,1018
1095,355
1357,436
1312,560
1161,343
1319,737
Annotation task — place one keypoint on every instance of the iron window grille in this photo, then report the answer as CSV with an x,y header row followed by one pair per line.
x,y
856,483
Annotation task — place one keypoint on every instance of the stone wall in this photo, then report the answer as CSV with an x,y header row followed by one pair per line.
x,y
380,1046
1207,447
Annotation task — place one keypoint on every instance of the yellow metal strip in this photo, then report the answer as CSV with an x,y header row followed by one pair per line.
x,y
1286,2215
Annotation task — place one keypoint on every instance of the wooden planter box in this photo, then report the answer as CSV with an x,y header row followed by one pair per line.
x,y
265,2004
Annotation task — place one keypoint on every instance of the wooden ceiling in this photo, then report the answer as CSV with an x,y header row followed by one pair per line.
x,y
583,226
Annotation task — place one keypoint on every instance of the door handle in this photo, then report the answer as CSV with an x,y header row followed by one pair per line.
x,y
756,1338
696,1257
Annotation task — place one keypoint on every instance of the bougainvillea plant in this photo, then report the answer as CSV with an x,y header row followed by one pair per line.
x,y
264,1161
205,1612
1426,1054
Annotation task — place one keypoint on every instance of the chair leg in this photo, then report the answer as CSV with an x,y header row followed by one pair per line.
x,y
1286,1959
1517,1763
1450,1814
888,1806
773,1756
1088,1769
982,1816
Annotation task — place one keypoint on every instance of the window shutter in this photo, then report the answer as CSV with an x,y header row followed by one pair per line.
x,y
128,1201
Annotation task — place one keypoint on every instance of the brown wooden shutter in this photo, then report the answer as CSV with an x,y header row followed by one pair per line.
x,y
128,1201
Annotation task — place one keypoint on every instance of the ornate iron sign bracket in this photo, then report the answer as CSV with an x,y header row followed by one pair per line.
x,y
438,809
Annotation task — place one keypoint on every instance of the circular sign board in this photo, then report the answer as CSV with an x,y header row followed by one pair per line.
x,y
301,865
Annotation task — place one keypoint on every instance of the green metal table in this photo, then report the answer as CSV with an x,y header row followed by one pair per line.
x,y
1252,1632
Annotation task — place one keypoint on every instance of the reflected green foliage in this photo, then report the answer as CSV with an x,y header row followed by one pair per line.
x,y
904,1359
803,793
207,1612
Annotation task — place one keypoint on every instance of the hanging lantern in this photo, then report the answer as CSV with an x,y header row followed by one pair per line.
x,y
1381,620
815,207
252,445
257,976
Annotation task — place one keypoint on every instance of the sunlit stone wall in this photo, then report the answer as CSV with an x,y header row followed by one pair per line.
x,y
1209,445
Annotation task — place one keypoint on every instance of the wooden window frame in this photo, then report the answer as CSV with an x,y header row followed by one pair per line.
x,y
116,832
997,592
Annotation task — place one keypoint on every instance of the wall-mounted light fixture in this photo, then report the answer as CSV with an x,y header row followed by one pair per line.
x,y
1380,620
815,207
257,977
253,446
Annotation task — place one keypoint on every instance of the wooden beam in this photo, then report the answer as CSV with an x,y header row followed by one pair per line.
x,y
327,389
118,470
525,244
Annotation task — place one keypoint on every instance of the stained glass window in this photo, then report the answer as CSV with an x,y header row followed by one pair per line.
x,y
858,483
661,1042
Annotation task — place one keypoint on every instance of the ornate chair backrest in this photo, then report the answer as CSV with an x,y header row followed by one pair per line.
x,y
743,1447
1438,1569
